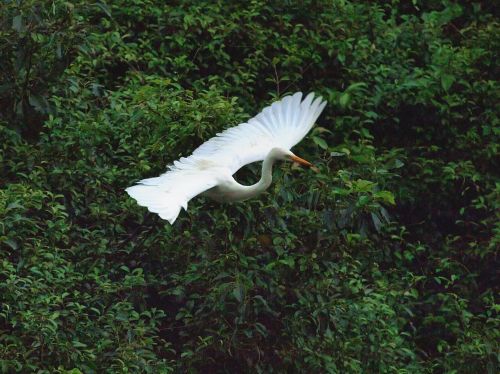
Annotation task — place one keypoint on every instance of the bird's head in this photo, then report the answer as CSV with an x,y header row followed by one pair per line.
x,y
286,155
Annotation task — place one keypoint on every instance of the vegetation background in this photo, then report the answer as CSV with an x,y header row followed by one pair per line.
x,y
385,261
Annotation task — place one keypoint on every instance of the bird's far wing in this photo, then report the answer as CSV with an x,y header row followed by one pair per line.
x,y
171,191
282,124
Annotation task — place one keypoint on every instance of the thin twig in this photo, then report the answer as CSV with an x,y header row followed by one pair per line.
x,y
277,80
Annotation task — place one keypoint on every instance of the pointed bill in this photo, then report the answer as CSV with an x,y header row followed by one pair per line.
x,y
300,161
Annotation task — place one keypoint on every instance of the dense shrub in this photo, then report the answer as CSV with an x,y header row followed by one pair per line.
x,y
383,260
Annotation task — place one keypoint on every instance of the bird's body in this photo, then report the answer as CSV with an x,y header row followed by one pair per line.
x,y
230,191
210,169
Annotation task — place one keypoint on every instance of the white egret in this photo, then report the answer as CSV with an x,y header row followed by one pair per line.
x,y
269,136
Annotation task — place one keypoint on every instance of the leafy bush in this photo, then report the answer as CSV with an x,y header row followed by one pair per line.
x,y
383,260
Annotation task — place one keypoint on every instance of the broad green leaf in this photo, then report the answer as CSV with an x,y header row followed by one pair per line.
x,y
446,81
385,196
238,293
320,142
344,99
17,23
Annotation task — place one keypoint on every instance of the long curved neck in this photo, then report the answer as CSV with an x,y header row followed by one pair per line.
x,y
234,191
267,174
246,192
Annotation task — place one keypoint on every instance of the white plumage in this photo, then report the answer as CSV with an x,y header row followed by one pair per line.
x,y
268,136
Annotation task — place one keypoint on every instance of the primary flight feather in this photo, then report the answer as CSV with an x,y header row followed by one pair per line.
x,y
269,136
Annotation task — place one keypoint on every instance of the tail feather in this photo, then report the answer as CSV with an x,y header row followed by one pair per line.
x,y
171,191
167,205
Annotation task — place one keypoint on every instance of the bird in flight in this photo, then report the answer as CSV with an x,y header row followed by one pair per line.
x,y
267,137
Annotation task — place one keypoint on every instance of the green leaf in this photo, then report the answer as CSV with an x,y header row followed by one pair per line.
x,y
104,7
78,344
398,164
344,99
11,243
362,201
289,261
238,293
356,86
17,23
362,185
376,221
446,81
320,142
386,197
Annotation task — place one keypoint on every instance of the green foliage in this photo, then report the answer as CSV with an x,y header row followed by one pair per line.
x,y
382,259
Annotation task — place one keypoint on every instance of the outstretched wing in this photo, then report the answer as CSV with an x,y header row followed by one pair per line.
x,y
283,124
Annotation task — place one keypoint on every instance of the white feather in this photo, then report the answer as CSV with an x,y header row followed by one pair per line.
x,y
282,124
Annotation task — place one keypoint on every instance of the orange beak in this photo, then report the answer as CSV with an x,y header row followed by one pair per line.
x,y
300,161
